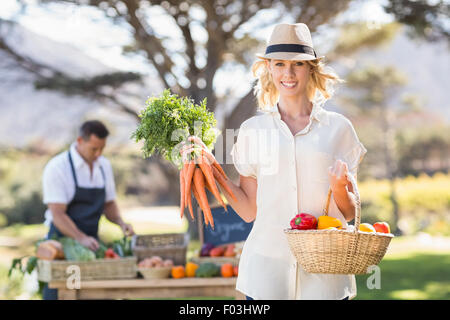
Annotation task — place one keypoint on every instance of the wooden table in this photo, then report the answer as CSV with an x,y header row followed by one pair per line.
x,y
149,288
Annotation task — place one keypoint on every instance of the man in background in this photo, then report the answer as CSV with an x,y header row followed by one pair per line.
x,y
78,187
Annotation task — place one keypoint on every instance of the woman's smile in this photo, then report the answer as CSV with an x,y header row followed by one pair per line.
x,y
289,84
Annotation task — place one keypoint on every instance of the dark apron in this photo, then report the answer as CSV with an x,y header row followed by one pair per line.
x,y
85,210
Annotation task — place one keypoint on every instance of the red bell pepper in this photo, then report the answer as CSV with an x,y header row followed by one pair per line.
x,y
304,221
110,254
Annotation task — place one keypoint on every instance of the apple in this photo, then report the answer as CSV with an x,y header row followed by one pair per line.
x,y
382,227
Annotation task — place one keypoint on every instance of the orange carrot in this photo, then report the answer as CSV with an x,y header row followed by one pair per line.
x,y
197,197
220,169
188,182
214,163
220,179
199,181
190,207
188,179
182,191
220,198
209,177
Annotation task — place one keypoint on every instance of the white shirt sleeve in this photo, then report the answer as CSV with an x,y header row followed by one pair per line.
x,y
353,150
243,152
354,157
54,188
110,188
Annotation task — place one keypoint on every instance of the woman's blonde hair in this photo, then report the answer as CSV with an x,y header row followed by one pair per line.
x,y
319,89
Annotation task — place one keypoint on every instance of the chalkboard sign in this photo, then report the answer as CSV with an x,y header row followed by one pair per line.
x,y
229,227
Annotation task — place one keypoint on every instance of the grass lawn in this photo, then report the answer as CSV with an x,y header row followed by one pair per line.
x,y
413,275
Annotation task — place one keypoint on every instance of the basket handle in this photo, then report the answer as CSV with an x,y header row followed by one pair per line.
x,y
358,202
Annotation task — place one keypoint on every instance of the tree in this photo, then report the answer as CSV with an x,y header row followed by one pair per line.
x,y
424,150
377,86
47,77
428,19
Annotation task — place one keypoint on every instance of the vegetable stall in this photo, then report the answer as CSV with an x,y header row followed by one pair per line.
x,y
143,266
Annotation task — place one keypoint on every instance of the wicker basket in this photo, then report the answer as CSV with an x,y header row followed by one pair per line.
x,y
100,269
167,246
338,251
155,273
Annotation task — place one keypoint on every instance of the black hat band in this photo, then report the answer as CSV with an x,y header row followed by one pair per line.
x,y
290,48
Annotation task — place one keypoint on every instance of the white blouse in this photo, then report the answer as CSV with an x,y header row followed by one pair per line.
x,y
292,176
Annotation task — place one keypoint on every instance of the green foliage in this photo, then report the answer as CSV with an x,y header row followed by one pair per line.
x,y
422,150
3,220
360,35
31,264
424,203
72,86
376,83
16,264
168,120
20,187
100,253
428,19
11,283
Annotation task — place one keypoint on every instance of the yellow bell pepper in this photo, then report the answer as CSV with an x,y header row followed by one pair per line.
x,y
190,269
366,227
325,222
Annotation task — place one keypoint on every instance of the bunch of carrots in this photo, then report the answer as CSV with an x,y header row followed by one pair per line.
x,y
197,174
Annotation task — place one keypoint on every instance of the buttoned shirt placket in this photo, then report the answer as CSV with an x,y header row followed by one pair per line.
x,y
294,183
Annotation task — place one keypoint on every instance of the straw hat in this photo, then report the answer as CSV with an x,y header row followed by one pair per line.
x,y
290,42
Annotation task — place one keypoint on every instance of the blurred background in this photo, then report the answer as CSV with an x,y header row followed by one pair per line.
x,y
64,62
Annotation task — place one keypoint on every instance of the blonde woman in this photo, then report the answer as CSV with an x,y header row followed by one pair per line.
x,y
287,157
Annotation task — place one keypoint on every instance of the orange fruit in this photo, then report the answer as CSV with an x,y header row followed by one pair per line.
x,y
227,270
177,272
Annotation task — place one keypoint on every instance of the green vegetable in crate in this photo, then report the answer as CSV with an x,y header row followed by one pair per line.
x,y
75,251
207,270
128,250
117,247
123,247
31,264
100,253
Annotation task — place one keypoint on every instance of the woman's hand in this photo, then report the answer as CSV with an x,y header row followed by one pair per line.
x,y
197,145
198,141
338,175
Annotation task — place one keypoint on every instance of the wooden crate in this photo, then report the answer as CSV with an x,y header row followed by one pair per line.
x,y
216,260
167,246
99,269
